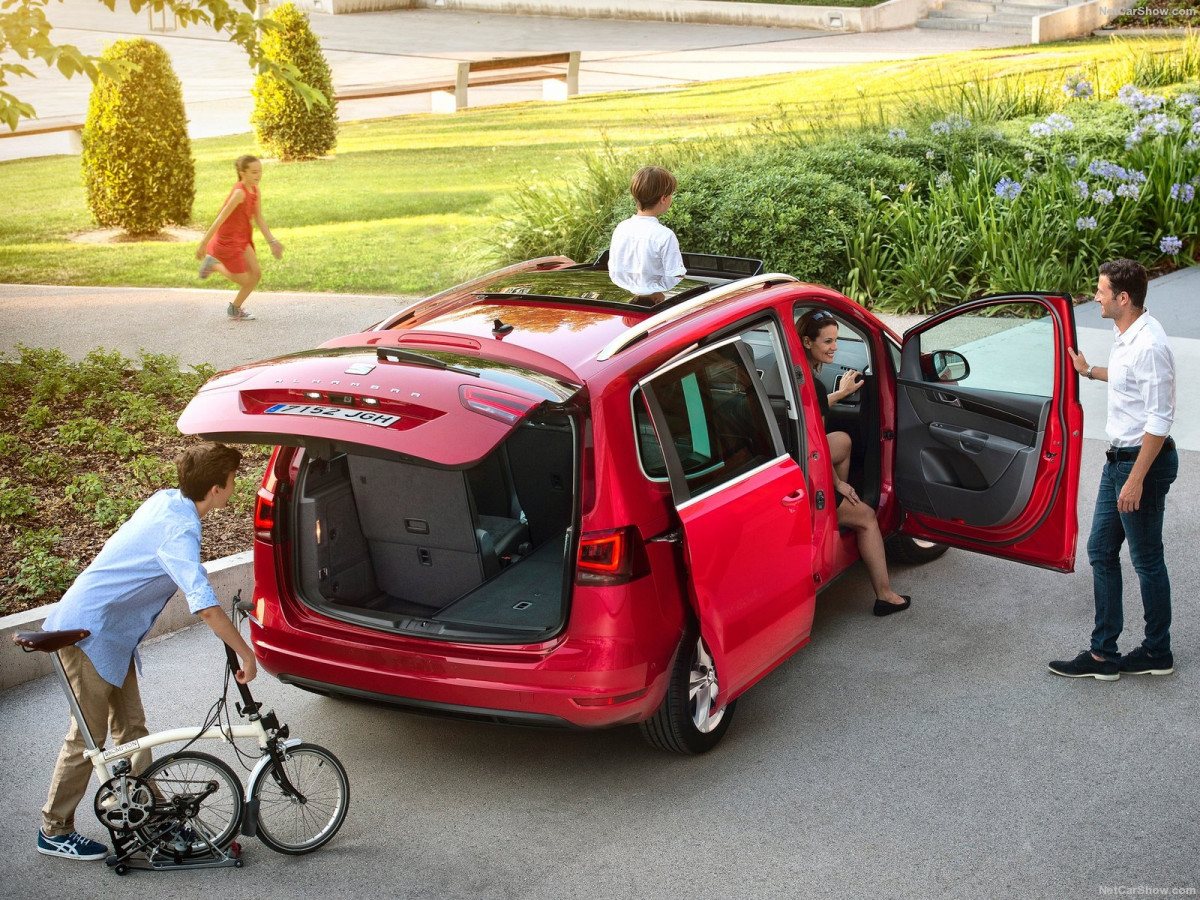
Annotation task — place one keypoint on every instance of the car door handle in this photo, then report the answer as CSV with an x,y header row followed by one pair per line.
x,y
947,399
794,499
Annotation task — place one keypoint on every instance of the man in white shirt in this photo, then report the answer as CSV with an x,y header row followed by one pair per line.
x,y
1142,464
643,256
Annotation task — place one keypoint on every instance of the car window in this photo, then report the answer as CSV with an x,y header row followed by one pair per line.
x,y
1008,347
716,420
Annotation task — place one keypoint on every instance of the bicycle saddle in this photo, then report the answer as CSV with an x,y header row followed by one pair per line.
x,y
49,641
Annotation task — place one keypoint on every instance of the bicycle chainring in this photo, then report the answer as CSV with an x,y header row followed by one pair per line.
x,y
124,803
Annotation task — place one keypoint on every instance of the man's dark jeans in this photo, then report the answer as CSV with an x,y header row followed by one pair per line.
x,y
1143,529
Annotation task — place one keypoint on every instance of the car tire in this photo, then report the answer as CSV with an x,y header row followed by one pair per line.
x,y
904,548
685,723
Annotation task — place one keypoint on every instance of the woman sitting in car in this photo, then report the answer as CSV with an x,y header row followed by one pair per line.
x,y
818,331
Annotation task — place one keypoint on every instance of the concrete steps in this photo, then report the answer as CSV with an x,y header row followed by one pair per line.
x,y
1008,16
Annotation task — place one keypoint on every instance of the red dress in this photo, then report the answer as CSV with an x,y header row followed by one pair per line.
x,y
236,232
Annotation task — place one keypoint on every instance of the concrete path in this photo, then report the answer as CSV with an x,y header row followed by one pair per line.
x,y
415,45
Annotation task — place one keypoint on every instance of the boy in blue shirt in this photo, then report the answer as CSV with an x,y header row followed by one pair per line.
x,y
117,598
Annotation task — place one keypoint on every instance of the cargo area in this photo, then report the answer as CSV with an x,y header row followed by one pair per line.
x,y
482,553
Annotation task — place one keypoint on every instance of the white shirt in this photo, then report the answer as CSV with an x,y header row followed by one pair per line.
x,y
644,257
1141,383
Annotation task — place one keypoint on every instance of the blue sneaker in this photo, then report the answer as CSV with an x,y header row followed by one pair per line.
x,y
207,266
71,846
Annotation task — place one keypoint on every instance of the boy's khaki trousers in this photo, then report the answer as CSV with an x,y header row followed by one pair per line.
x,y
107,710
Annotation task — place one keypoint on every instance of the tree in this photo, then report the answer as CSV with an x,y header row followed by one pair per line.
x,y
286,126
25,33
137,159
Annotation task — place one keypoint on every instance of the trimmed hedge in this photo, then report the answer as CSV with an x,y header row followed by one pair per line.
x,y
137,160
285,126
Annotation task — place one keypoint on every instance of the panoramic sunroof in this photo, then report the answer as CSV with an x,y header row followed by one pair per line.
x,y
585,286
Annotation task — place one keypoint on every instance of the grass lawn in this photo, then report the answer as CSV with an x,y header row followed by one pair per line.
x,y
406,205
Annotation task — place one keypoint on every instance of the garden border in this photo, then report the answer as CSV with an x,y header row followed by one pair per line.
x,y
227,575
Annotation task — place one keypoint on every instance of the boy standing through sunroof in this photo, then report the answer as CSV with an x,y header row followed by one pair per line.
x,y
644,256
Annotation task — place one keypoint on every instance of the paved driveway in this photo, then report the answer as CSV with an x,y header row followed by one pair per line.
x,y
924,755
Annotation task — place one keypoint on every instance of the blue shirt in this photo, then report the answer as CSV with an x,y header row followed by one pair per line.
x,y
118,597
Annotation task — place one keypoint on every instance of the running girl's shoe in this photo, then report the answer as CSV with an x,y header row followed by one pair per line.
x,y
238,314
206,267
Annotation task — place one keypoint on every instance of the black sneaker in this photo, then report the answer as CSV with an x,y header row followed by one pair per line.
x,y
1086,666
1142,662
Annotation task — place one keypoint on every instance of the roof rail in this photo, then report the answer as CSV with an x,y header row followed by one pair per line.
x,y
724,292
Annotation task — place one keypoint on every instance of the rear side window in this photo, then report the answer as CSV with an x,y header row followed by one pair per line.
x,y
713,412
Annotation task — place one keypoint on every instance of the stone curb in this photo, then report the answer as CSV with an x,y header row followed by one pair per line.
x,y
887,15
227,575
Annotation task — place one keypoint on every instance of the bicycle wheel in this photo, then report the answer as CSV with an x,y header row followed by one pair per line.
x,y
198,802
296,825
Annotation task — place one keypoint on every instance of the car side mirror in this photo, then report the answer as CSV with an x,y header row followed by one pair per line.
x,y
949,366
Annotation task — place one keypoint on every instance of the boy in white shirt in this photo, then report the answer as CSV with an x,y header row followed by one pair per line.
x,y
643,256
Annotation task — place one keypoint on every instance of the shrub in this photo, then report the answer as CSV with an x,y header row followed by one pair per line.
x,y
793,220
40,572
137,159
16,501
286,126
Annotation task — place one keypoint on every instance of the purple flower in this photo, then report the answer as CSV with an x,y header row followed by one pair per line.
x,y
1160,123
940,128
1077,87
1081,189
1103,196
1187,101
1007,189
1170,245
897,134
1129,191
1104,169
1134,176
944,179
1183,192
1040,129
1139,102
1071,161
1085,223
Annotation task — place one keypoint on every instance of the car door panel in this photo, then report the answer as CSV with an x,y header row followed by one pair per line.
x,y
990,462
747,527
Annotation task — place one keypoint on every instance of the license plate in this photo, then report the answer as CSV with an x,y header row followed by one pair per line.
x,y
364,416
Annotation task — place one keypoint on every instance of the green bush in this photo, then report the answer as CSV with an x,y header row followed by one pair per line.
x,y
287,127
40,572
137,159
793,220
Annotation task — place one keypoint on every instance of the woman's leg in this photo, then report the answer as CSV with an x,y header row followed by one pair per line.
x,y
839,453
861,517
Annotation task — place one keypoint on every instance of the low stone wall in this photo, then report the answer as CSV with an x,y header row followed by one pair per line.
x,y
227,576
893,14
1072,21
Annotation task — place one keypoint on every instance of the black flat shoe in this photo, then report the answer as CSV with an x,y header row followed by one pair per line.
x,y
883,608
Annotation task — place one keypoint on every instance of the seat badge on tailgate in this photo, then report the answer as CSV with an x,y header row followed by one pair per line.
x,y
360,369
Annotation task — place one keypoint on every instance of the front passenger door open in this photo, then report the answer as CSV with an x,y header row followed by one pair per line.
x,y
989,429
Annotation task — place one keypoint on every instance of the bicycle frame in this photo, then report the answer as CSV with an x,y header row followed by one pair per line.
x,y
101,758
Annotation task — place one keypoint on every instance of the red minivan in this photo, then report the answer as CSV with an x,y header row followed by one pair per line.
x,y
536,499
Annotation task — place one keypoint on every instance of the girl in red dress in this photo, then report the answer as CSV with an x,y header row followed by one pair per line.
x,y
228,245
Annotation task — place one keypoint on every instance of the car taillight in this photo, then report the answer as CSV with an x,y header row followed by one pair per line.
x,y
507,408
264,505
611,557
264,515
